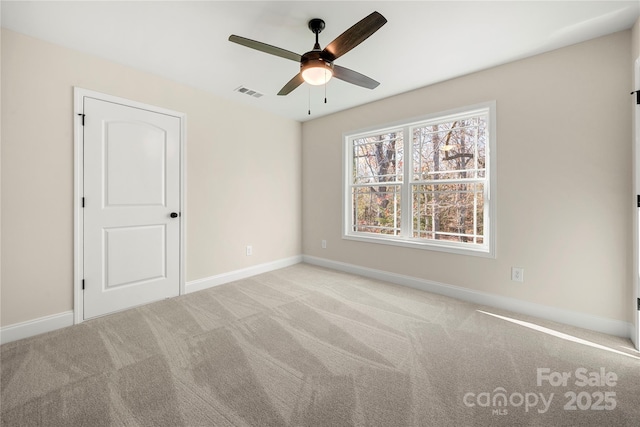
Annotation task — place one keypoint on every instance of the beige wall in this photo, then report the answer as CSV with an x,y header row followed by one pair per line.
x,y
243,174
564,178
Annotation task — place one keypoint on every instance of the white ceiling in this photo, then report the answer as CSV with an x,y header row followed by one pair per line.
x,y
424,42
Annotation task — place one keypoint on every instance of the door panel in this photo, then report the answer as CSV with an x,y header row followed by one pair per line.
x,y
131,186
134,255
135,164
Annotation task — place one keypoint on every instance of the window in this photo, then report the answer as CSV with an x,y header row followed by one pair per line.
x,y
429,183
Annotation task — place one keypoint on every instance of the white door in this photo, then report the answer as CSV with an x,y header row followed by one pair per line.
x,y
131,206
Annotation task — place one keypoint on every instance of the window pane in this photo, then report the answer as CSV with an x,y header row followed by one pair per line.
x,y
452,212
450,150
378,158
376,209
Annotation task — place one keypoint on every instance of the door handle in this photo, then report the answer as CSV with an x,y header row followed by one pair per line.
x,y
174,215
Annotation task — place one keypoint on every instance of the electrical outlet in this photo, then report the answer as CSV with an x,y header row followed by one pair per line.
x,y
249,250
324,244
517,274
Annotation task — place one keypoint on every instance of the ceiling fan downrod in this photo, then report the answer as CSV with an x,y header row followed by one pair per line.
x,y
316,25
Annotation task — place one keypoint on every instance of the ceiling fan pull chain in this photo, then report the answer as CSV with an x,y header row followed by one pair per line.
x,y
309,99
325,86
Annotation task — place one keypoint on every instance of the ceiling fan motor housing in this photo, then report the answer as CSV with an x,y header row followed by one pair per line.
x,y
315,59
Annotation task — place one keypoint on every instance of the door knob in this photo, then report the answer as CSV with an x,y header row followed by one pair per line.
x,y
174,215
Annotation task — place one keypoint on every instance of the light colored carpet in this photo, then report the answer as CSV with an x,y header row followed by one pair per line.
x,y
306,346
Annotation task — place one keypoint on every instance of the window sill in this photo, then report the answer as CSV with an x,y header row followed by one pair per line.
x,y
450,247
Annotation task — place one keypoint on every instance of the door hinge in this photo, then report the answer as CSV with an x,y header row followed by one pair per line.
x,y
638,304
637,92
82,115
83,284
83,202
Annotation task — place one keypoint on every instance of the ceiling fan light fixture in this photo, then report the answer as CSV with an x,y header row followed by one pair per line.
x,y
316,72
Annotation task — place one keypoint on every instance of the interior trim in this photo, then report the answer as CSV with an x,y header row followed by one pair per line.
x,y
41,325
581,320
38,326
221,279
596,323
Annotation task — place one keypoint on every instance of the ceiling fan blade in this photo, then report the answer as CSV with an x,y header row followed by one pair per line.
x,y
292,84
266,48
353,36
354,77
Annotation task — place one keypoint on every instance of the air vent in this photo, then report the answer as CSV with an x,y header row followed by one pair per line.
x,y
250,92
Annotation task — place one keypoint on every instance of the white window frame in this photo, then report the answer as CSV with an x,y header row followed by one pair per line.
x,y
488,248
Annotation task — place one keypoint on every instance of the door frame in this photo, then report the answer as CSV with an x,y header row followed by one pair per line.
x,y
78,189
635,330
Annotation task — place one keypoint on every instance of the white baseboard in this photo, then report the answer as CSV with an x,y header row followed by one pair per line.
x,y
41,325
582,320
220,279
600,324
37,326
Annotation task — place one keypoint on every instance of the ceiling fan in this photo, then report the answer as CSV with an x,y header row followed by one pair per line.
x,y
316,66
